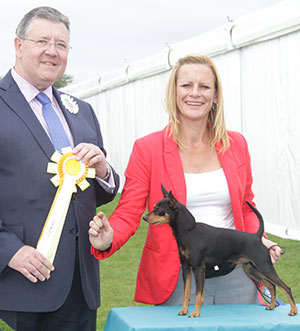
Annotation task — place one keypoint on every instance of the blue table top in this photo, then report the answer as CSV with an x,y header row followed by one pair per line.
x,y
217,317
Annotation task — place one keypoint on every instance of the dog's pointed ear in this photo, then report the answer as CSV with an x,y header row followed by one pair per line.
x,y
165,193
173,203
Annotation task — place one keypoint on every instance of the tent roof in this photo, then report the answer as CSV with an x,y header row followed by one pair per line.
x,y
271,22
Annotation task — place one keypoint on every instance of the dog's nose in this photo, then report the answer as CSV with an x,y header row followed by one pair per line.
x,y
145,218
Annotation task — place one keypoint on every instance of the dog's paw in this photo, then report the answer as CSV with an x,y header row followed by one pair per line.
x,y
293,312
194,314
270,307
183,312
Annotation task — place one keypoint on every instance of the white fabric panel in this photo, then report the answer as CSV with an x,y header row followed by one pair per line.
x,y
228,66
154,64
267,23
129,112
261,83
211,42
271,122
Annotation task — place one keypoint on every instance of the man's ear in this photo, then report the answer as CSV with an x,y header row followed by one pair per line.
x,y
18,47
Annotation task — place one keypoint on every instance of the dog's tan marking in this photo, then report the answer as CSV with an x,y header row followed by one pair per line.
x,y
184,253
294,309
199,296
155,219
199,302
258,267
187,294
262,279
241,260
253,273
272,290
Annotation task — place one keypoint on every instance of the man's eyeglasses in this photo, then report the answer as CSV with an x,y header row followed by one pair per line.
x,y
45,44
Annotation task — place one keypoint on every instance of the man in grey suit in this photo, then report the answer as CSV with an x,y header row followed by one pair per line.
x,y
34,293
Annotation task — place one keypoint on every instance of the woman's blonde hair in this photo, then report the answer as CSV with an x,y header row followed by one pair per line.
x,y
216,116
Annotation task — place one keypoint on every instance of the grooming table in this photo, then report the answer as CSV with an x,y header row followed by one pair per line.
x,y
213,317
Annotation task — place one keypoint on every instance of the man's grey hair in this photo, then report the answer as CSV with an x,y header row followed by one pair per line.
x,y
46,13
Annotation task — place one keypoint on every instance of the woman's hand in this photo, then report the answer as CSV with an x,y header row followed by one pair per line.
x,y
100,232
275,251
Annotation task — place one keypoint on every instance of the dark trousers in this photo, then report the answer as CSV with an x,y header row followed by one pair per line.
x,y
74,315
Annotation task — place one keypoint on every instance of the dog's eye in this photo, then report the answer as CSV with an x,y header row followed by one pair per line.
x,y
160,213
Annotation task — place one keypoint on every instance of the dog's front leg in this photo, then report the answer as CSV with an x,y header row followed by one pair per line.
x,y
199,273
187,280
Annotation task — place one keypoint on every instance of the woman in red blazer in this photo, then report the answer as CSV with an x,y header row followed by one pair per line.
x,y
195,142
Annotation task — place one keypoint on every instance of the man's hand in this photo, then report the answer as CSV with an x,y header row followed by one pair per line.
x,y
31,263
100,232
93,156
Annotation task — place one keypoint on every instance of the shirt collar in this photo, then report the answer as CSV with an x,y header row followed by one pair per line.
x,y
27,89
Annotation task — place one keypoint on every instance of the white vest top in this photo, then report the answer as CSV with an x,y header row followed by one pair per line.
x,y
208,198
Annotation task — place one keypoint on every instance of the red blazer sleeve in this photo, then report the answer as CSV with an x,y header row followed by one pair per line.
x,y
126,218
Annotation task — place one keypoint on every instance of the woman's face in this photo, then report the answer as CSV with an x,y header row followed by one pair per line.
x,y
195,91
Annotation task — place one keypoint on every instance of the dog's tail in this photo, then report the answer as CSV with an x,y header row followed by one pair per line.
x,y
261,228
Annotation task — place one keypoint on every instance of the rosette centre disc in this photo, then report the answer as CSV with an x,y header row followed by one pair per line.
x,y
72,167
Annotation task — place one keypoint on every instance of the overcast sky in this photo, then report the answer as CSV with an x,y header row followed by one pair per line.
x,y
106,33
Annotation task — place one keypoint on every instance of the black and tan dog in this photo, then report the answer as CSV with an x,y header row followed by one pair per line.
x,y
202,247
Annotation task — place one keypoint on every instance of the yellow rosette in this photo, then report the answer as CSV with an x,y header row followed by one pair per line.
x,y
68,173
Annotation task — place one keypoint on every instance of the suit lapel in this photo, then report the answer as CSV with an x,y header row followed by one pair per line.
x,y
18,104
73,120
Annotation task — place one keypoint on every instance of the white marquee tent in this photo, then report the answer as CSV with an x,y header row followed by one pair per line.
x,y
258,58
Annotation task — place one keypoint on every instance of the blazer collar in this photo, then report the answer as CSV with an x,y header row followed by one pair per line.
x,y
15,100
174,167
74,120
175,171
228,164
13,97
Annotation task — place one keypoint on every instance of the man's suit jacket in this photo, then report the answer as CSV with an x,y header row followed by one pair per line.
x,y
155,160
26,197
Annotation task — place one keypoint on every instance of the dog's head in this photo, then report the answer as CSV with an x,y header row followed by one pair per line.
x,y
164,211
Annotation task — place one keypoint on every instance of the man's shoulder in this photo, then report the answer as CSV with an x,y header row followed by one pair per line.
x,y
6,81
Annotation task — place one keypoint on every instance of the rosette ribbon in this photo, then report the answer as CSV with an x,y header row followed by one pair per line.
x,y
68,173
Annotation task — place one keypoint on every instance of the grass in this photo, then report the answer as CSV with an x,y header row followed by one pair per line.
x,y
118,273
4,326
288,266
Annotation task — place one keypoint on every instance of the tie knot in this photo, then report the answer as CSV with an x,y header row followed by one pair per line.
x,y
43,98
